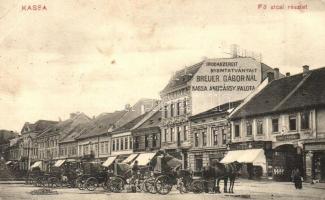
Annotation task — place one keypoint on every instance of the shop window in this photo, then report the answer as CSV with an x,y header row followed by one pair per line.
x,y
122,143
102,147
215,136
224,136
292,122
131,144
259,128
165,134
106,147
136,142
117,144
304,120
198,163
237,130
154,140
249,128
126,141
275,125
196,139
146,141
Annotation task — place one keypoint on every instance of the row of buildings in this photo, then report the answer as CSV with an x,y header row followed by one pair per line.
x,y
225,109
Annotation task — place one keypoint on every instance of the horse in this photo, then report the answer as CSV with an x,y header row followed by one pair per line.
x,y
219,171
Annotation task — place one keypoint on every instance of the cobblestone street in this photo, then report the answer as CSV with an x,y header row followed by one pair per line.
x,y
243,189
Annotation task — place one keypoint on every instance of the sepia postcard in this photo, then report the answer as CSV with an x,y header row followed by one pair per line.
x,y
167,99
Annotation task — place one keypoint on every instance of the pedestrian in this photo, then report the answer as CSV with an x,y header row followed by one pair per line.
x,y
297,178
135,170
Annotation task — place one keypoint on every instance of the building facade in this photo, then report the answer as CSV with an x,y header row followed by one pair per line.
x,y
201,87
282,121
211,131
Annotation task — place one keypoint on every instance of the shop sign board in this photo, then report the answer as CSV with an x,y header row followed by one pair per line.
x,y
288,137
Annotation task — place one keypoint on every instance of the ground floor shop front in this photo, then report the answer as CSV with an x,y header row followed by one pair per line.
x,y
315,160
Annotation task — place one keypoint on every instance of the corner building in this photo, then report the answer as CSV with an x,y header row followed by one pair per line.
x,y
200,87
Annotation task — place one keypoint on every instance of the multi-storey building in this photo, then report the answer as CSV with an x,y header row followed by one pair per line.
x,y
211,135
147,136
48,141
201,87
29,147
282,123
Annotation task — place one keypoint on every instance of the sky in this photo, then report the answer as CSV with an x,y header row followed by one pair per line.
x,y
95,56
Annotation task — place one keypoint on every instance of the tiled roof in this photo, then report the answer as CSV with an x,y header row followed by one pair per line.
x,y
288,93
39,126
128,126
101,124
217,110
64,128
152,122
182,77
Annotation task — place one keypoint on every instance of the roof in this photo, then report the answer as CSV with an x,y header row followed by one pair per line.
x,y
217,110
182,77
38,127
131,124
65,127
287,93
101,124
151,122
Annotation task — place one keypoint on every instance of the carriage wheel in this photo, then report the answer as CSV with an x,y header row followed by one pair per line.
x,y
53,182
117,184
149,185
107,185
80,183
162,185
197,186
91,184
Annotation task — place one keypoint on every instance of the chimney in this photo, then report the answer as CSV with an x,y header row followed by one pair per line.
x,y
270,76
276,73
287,74
127,107
305,70
72,115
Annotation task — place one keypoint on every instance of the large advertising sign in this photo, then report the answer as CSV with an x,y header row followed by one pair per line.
x,y
224,80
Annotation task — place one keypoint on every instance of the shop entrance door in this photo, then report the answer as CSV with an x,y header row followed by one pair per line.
x,y
285,159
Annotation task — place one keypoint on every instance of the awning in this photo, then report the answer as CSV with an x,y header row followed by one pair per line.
x,y
130,158
144,158
109,161
59,163
36,164
255,156
8,162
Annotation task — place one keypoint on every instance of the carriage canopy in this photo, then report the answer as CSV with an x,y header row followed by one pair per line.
x,y
144,158
36,164
109,161
166,163
58,163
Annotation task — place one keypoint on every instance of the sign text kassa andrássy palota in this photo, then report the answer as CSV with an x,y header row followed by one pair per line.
x,y
227,76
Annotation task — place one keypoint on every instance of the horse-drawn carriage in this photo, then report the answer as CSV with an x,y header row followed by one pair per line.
x,y
63,174
91,176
